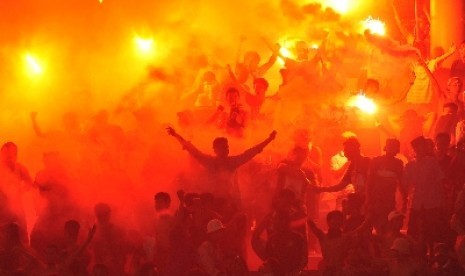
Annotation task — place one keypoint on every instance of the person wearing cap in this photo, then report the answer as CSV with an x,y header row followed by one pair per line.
x,y
222,167
384,178
443,263
423,178
403,263
385,239
356,173
287,248
213,257
455,94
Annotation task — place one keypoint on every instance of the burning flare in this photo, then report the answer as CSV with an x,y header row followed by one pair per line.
x,y
362,102
144,46
375,26
32,65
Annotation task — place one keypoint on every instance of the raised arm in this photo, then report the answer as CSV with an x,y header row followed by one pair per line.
x,y
197,154
315,230
70,259
449,53
259,244
36,126
250,153
346,179
271,61
434,81
405,33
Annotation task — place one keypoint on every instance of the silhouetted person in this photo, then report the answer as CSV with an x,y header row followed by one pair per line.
x,y
163,225
423,176
286,246
384,178
357,172
14,181
222,167
109,246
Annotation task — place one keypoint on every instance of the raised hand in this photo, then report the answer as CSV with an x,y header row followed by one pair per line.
x,y
171,131
273,135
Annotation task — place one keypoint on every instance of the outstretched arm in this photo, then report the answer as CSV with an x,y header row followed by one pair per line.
x,y
197,154
315,230
36,126
271,61
449,53
405,33
70,259
250,153
341,185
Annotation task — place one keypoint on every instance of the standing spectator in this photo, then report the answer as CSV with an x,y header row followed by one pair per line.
x,y
384,177
163,225
458,66
423,177
286,247
357,172
222,167
109,246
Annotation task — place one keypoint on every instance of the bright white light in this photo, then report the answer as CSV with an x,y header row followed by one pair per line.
x,y
340,6
144,45
32,65
375,26
363,103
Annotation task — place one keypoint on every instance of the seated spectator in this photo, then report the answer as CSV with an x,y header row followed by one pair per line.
x,y
286,247
447,122
14,256
444,263
334,244
402,262
211,251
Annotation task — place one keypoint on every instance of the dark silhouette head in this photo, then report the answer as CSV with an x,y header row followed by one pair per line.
x,y
351,148
72,230
221,147
162,201
392,147
102,212
9,153
335,219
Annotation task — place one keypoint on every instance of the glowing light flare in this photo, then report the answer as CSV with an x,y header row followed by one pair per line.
x,y
285,52
33,66
340,6
375,26
144,46
363,103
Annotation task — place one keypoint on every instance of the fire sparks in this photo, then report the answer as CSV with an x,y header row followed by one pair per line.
x,y
375,26
363,103
33,66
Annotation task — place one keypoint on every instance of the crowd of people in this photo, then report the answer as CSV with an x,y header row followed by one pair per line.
x,y
118,200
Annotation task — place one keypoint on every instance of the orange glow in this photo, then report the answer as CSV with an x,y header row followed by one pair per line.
x,y
33,67
362,102
375,26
